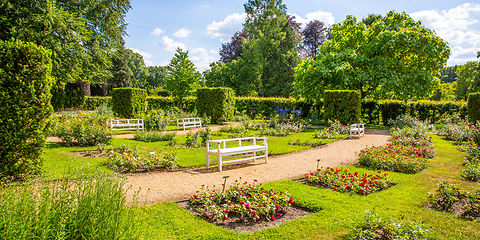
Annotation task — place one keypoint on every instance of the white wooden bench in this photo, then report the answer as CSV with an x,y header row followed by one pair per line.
x,y
240,153
357,130
189,122
125,124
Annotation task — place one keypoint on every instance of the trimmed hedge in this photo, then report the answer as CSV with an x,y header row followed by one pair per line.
x,y
473,106
216,103
342,105
129,102
92,103
25,83
391,109
266,106
156,103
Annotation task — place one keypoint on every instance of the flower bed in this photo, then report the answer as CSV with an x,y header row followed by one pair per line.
x,y
394,158
129,161
243,201
450,198
342,180
298,142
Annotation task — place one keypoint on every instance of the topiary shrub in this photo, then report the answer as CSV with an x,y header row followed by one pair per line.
x,y
164,103
473,106
342,105
129,102
216,103
25,83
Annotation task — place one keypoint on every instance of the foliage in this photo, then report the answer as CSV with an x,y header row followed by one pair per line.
x,y
122,75
156,120
472,162
459,132
394,57
336,126
444,92
473,106
405,121
450,198
342,105
129,102
342,180
92,103
448,74
166,103
80,34
471,173
156,76
74,96
244,201
254,106
25,83
82,130
298,142
375,227
325,133
205,135
314,34
153,136
182,77
468,79
131,162
216,103
232,50
140,72
272,45
391,110
191,140
87,208
233,129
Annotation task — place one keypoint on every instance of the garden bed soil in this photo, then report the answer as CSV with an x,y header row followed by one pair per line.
x,y
234,224
458,209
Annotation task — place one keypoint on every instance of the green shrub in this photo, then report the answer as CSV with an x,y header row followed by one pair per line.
x,y
87,208
216,103
25,83
129,102
325,133
82,131
131,161
471,173
342,105
153,136
267,106
164,103
205,135
370,111
92,103
445,196
192,140
473,106
391,109
74,96
58,98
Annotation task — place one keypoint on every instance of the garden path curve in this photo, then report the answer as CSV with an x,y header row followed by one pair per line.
x,y
177,185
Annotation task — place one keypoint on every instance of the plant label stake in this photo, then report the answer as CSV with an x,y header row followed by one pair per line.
x,y
224,182
318,162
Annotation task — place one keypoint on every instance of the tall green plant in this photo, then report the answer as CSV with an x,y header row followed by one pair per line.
x,y
342,105
25,83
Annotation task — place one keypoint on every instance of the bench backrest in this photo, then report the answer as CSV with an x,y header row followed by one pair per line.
x,y
357,125
189,120
124,122
222,142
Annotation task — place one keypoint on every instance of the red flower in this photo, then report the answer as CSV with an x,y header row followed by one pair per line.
x,y
254,213
273,218
225,217
290,200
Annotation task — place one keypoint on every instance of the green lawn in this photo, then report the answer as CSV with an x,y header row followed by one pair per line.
x,y
60,160
334,213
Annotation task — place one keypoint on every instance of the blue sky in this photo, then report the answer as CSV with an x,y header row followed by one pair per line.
x,y
156,28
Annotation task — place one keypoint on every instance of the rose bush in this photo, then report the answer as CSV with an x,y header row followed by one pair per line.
x,y
130,161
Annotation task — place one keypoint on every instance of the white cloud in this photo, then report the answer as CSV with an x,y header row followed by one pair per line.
x,y
224,29
157,31
147,57
325,17
202,58
171,45
182,33
458,26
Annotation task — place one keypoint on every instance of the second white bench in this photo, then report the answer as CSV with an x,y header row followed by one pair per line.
x,y
241,152
189,122
357,130
125,124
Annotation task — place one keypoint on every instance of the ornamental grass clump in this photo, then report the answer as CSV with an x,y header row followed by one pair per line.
x,y
130,161
242,201
450,198
342,180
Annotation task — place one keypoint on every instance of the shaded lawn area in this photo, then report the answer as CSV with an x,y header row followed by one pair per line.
x,y
59,160
335,213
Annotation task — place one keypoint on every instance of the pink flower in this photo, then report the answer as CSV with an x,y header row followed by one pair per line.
x,y
273,218
290,200
254,213
225,217
278,207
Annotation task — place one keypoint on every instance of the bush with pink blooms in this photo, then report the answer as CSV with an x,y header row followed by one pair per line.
x,y
342,180
243,201
394,158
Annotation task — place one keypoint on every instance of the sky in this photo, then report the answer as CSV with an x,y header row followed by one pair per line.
x,y
156,28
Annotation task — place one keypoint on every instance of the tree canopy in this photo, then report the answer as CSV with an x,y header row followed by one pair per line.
x,y
394,57
182,77
468,79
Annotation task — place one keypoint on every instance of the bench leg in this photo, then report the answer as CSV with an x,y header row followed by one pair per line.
x,y
208,160
266,155
220,163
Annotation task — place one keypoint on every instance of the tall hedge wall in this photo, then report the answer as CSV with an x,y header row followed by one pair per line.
x,y
92,103
342,105
25,83
266,106
169,102
474,106
129,102
216,103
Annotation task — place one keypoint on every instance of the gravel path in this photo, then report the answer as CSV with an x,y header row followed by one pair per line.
x,y
170,186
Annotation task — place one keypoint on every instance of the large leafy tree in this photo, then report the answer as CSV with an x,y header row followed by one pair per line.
x,y
468,79
395,57
314,34
122,75
273,45
82,34
139,70
233,49
156,76
182,77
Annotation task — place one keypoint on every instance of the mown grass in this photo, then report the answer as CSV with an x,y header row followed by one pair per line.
x,y
59,160
335,213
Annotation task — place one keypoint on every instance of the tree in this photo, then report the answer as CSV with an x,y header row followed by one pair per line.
x,y
182,77
468,79
139,70
122,74
314,34
395,57
371,19
232,50
156,76
273,45
81,34
448,74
